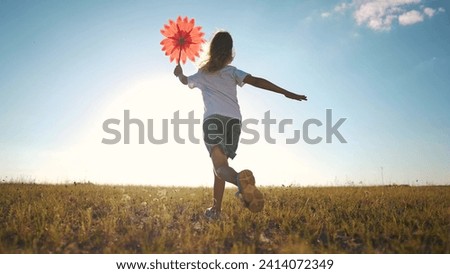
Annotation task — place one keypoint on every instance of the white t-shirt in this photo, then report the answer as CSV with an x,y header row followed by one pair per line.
x,y
219,90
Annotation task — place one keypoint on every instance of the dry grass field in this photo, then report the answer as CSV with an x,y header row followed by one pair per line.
x,y
88,218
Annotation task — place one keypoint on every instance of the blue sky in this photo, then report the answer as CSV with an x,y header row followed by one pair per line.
x,y
65,67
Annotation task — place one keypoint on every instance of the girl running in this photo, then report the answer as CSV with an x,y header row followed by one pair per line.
x,y
222,119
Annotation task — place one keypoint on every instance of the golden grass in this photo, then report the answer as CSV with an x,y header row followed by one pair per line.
x,y
86,218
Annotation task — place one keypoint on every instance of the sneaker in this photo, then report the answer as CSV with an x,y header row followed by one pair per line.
x,y
250,195
211,214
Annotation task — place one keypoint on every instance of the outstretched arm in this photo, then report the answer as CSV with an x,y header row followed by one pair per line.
x,y
267,85
178,71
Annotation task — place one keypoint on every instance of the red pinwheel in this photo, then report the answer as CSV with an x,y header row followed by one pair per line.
x,y
183,39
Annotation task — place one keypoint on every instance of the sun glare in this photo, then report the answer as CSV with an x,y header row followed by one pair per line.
x,y
171,163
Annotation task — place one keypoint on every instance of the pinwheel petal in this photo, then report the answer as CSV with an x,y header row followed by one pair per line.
x,y
182,39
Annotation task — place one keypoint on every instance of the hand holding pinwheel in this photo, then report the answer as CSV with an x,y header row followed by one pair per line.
x,y
183,40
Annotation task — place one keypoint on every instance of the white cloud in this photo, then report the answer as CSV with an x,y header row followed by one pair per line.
x,y
410,18
381,15
325,14
342,7
429,11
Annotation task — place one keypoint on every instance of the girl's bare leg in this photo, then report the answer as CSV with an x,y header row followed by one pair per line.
x,y
222,173
219,188
253,198
221,167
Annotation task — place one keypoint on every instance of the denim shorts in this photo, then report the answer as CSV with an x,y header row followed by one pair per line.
x,y
222,131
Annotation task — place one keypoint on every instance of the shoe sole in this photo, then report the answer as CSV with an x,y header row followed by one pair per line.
x,y
252,197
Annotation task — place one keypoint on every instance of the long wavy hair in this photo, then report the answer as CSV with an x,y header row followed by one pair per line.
x,y
220,52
